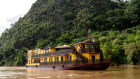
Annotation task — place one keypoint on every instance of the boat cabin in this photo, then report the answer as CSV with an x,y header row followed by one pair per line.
x,y
87,47
83,52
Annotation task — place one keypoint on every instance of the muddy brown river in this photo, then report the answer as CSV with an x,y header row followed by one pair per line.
x,y
127,72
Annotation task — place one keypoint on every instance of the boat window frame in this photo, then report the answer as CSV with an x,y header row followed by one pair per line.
x,y
45,59
56,59
92,46
62,58
36,52
46,51
70,58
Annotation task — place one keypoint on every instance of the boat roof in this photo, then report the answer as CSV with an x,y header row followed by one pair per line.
x,y
63,47
84,42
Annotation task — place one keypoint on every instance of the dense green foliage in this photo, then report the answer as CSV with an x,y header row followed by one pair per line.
x,y
116,25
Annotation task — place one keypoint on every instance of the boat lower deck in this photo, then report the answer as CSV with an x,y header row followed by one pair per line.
x,y
74,65
99,66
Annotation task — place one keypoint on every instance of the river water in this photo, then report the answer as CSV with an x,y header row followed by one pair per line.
x,y
127,72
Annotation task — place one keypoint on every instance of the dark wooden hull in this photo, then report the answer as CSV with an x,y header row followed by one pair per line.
x,y
99,66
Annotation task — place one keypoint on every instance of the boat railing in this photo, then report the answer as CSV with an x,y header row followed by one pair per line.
x,y
60,52
85,50
97,61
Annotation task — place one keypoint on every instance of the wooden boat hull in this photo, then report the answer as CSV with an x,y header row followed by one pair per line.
x,y
99,66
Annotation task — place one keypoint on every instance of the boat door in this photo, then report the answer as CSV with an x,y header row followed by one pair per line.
x,y
93,59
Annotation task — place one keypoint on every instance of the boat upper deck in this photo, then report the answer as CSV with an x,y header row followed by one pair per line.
x,y
60,52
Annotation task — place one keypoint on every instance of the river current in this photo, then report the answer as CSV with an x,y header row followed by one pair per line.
x,y
127,72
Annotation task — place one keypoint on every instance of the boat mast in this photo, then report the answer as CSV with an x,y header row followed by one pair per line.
x,y
89,35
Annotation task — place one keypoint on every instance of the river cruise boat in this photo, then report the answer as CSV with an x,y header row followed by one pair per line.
x,y
85,55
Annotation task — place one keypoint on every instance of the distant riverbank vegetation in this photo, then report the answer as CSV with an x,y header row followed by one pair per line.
x,y
50,23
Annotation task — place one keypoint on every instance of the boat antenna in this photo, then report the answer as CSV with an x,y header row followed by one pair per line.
x,y
89,35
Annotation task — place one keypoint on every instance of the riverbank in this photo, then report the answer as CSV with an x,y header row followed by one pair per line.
x,y
127,65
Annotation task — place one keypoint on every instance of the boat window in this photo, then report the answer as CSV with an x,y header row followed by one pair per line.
x,y
47,51
39,52
33,53
50,59
70,58
83,45
45,60
36,53
90,46
93,57
56,58
38,60
29,54
34,60
61,58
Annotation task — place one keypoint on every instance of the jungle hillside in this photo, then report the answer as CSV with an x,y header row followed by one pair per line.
x,y
49,23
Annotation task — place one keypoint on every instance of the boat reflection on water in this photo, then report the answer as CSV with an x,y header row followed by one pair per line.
x,y
111,73
66,74
40,73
